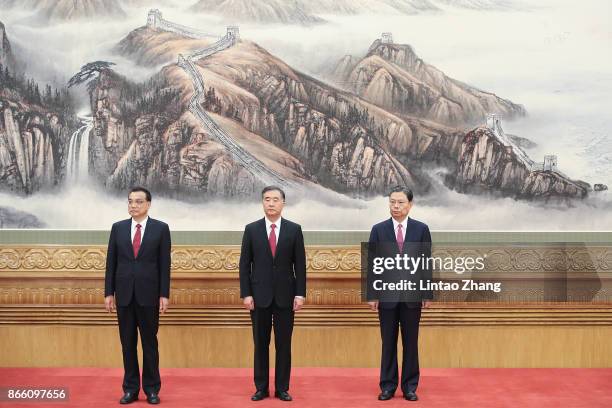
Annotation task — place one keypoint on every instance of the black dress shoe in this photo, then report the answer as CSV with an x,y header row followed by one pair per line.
x,y
411,396
128,398
283,395
259,395
153,398
385,395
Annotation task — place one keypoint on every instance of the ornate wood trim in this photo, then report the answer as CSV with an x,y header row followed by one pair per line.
x,y
223,259
208,275
320,316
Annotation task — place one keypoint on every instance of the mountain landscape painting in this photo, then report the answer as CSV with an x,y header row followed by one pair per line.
x,y
494,112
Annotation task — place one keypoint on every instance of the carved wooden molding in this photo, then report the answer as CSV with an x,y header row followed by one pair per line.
x,y
320,259
347,295
320,316
178,296
208,275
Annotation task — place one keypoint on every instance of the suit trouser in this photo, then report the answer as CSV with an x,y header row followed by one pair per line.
x,y
390,321
144,319
263,318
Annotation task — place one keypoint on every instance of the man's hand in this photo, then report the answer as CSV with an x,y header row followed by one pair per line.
x,y
163,304
426,303
373,305
298,302
249,303
109,303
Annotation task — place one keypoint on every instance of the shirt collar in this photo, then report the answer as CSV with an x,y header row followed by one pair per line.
x,y
143,223
404,224
269,223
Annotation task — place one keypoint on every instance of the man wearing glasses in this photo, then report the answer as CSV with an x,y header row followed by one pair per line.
x,y
400,235
138,282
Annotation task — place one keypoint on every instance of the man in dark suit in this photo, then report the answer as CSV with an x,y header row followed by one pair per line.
x,y
400,235
273,288
138,281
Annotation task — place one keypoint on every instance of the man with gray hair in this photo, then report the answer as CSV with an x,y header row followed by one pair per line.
x,y
273,288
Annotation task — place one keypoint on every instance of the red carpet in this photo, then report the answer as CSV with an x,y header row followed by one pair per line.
x,y
330,387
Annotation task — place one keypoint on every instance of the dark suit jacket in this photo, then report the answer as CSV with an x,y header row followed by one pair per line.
x,y
383,243
148,276
266,278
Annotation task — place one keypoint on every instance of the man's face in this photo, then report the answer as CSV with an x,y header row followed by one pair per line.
x,y
138,206
273,204
399,206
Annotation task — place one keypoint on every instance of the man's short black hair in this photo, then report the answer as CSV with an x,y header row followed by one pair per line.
x,y
273,188
141,189
400,189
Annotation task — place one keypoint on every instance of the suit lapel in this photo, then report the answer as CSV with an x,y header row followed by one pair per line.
x,y
264,232
128,234
390,231
282,237
146,233
410,232
408,236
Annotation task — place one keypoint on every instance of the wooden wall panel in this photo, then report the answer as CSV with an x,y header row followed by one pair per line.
x,y
202,346
51,312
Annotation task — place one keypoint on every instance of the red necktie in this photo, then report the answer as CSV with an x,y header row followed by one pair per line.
x,y
272,240
136,243
400,238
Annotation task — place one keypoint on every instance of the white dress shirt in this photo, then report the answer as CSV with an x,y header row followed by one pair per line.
x,y
143,225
